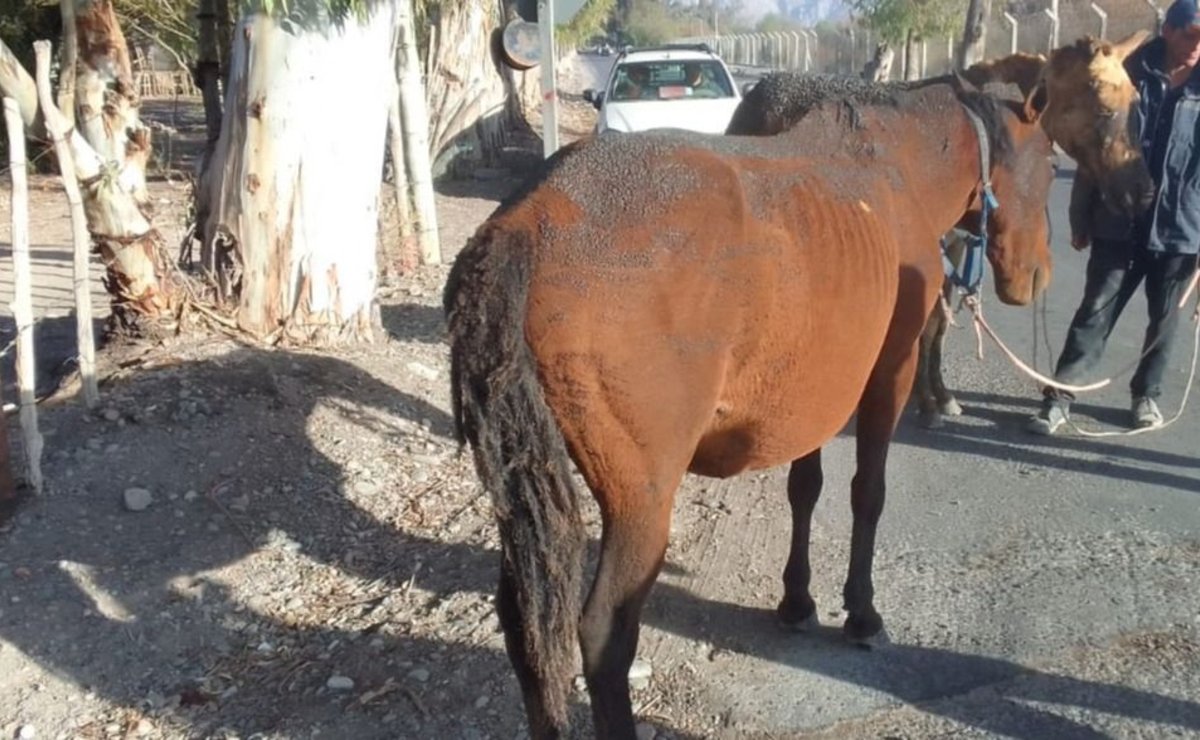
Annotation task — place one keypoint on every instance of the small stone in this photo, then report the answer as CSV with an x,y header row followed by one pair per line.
x,y
339,683
645,731
421,476
137,499
639,674
366,488
294,604
27,732
423,371
581,684
419,674
482,702
144,727
240,503
111,414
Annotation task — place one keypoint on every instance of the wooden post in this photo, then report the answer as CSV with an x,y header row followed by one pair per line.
x,y
414,119
23,292
410,252
58,126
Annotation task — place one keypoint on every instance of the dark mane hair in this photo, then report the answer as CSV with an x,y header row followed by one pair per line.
x,y
783,99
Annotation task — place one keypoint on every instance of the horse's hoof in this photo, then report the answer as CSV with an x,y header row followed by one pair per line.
x,y
800,617
804,626
874,642
932,420
950,407
865,630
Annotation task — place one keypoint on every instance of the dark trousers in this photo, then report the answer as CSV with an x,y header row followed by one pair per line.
x,y
1114,271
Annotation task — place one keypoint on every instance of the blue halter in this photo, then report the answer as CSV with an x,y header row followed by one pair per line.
x,y
969,275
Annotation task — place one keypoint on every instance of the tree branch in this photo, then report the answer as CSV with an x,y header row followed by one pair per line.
x,y
16,83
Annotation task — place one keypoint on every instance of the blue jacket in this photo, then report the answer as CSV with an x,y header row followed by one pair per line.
x,y
1172,224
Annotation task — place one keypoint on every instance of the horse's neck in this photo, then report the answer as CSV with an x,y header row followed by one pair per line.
x,y
927,138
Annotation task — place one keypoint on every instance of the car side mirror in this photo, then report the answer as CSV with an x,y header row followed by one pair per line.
x,y
595,97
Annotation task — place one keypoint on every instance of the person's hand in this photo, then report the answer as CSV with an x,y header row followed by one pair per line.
x,y
1080,242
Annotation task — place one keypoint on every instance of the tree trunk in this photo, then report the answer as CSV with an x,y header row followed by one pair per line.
x,y
16,83
224,39
111,149
879,67
208,74
68,61
468,89
971,50
912,56
117,204
410,254
414,118
294,180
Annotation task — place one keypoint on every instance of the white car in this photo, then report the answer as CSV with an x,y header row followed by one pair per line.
x,y
687,87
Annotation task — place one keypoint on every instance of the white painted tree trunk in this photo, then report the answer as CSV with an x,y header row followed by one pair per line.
x,y
294,180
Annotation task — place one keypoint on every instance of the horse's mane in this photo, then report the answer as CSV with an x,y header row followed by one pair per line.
x,y
782,99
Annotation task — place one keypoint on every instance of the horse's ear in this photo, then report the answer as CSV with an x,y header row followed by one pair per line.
x,y
1130,44
1036,102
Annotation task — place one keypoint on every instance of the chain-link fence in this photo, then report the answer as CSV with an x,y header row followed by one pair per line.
x,y
1028,26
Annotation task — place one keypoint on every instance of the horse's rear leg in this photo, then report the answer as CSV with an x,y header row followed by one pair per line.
x,y
632,549
878,412
798,611
934,400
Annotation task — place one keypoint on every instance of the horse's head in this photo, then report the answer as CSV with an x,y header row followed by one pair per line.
x,y
1089,98
1021,172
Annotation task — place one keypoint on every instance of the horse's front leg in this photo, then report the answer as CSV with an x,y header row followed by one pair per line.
x,y
878,412
797,610
947,405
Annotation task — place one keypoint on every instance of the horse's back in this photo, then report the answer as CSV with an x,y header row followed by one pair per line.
x,y
703,302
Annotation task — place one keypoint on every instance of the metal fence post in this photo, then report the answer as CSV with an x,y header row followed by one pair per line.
x,y
1012,24
1103,20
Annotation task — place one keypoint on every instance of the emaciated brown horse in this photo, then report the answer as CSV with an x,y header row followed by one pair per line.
x,y
663,303
1089,97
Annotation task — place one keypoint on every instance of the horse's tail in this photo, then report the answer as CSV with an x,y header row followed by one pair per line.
x,y
521,459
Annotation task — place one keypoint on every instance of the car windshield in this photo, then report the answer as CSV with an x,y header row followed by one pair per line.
x,y
671,80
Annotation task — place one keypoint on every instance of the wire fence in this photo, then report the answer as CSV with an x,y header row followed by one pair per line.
x,y
1031,27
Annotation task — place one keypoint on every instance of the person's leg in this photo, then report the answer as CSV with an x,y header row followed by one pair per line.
x,y
1112,277
1166,279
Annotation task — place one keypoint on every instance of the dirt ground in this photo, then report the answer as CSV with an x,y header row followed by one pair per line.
x,y
250,543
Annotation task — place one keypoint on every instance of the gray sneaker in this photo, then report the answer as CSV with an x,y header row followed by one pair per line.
x,y
1145,413
1049,420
